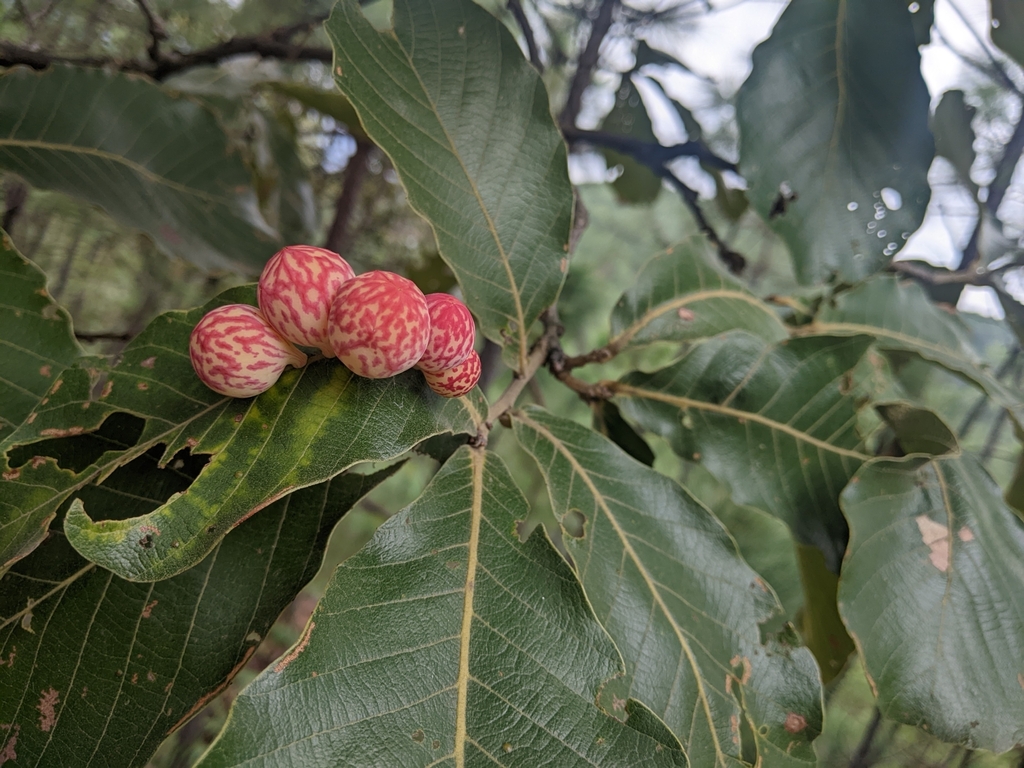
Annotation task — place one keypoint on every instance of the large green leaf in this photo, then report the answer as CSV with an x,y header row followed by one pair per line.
x,y
836,109
466,122
98,670
36,342
668,584
446,641
900,316
933,593
310,426
778,424
681,295
154,160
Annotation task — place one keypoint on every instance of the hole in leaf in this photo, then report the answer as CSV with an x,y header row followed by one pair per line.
x,y
574,524
118,432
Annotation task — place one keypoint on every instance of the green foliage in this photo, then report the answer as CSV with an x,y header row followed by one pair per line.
x,y
834,112
729,496
502,222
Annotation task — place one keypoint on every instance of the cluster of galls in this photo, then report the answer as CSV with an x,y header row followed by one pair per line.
x,y
378,324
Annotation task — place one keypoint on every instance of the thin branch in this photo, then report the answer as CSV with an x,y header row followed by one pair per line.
x,y
537,357
157,30
108,336
734,261
587,64
860,758
355,173
1002,75
941,276
275,44
516,9
649,153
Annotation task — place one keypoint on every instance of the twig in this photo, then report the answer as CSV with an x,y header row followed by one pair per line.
x,y
649,153
942,276
587,63
733,261
860,756
275,44
516,9
157,30
338,236
1002,75
108,336
537,357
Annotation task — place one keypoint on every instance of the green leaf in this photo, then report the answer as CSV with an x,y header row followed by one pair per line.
x,y
609,422
900,316
820,625
99,669
1008,28
329,103
776,423
37,342
465,119
441,633
954,136
637,183
918,430
310,426
681,295
152,159
837,111
933,593
923,17
668,584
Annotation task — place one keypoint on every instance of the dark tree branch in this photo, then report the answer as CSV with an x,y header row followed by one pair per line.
x,y
516,9
276,44
861,758
587,63
655,156
108,336
649,153
157,31
355,173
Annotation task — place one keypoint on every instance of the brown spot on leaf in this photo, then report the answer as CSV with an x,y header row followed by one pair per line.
x,y
734,728
85,690
965,534
45,370
47,707
795,723
418,736
617,703
149,362
10,657
135,678
936,537
142,385
12,474
31,417
435,744
728,683
685,314
151,676
56,385
191,442
294,653
563,265
506,747
148,610
337,71
1020,679
238,418
9,752
38,461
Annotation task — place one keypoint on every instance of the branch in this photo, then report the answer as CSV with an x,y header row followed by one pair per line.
x,y
649,153
587,63
538,355
516,9
109,336
337,237
941,276
157,31
275,44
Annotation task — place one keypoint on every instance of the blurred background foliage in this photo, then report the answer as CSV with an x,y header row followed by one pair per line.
x,y
649,71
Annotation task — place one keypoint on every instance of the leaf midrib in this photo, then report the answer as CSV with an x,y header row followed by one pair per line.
x,y
626,336
648,580
723,410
